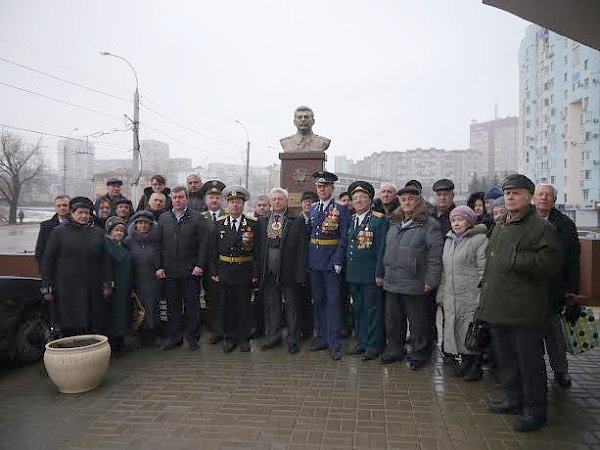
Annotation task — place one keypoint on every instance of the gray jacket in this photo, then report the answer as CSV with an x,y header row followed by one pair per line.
x,y
413,256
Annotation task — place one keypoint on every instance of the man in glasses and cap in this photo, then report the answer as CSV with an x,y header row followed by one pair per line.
x,y
329,223
364,272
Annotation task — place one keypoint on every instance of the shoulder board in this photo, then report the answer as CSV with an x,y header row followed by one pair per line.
x,y
251,219
223,217
376,214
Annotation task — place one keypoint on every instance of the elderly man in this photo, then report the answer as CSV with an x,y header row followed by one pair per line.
x,y
282,245
563,287
443,191
156,204
364,272
388,200
234,267
261,206
523,252
194,184
329,223
61,208
180,262
114,186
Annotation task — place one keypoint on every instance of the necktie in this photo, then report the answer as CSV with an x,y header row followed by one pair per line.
x,y
233,227
320,207
214,216
357,223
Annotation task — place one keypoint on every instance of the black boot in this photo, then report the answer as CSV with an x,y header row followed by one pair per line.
x,y
461,369
475,372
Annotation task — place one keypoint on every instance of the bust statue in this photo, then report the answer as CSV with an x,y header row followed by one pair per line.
x,y
304,140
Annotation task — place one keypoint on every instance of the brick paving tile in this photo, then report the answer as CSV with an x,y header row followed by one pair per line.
x,y
272,400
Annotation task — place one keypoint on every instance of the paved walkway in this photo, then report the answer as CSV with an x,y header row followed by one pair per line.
x,y
273,400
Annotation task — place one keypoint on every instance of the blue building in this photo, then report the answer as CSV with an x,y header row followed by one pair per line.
x,y
559,115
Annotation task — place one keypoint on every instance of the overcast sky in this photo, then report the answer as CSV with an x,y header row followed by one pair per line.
x,y
379,75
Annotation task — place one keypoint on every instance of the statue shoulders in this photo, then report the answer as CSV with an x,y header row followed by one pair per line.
x,y
287,138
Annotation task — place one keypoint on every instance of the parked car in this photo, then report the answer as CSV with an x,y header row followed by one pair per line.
x,y
24,324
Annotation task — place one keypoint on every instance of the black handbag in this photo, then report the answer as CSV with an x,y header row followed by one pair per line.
x,y
478,336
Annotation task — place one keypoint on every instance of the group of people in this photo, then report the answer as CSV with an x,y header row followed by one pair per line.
x,y
508,258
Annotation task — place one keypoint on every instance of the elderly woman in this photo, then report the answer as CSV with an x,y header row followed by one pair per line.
x,y
119,303
142,242
412,266
463,265
76,272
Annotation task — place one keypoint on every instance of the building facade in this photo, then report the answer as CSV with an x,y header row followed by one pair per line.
x,y
559,129
498,142
76,166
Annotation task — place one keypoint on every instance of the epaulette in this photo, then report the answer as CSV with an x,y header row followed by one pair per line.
x,y
223,217
376,214
253,219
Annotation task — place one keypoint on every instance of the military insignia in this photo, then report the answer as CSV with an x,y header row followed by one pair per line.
x,y
233,194
276,226
247,239
376,214
301,175
364,239
331,222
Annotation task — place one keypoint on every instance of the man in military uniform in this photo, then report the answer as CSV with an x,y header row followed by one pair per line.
x,y
364,271
305,307
326,256
234,267
211,192
304,140
282,246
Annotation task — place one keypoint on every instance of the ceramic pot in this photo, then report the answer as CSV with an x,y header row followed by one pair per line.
x,y
78,363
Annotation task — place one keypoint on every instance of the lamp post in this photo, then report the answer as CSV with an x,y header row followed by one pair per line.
x,y
65,160
247,152
136,169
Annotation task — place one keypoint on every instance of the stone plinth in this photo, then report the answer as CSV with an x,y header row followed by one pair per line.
x,y
296,173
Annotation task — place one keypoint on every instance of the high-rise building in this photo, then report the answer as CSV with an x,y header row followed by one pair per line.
x,y
559,101
498,142
155,156
425,165
76,166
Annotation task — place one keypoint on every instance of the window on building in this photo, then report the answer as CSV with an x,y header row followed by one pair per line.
x,y
585,102
586,82
552,179
551,65
565,164
586,195
552,99
527,124
588,135
566,60
565,195
546,102
587,174
527,109
566,93
565,76
585,64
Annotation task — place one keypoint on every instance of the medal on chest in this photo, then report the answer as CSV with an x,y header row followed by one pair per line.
x,y
247,238
364,239
331,222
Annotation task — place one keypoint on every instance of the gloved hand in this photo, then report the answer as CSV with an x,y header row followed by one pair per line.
x,y
337,268
572,312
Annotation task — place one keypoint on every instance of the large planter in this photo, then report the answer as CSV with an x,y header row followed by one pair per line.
x,y
77,364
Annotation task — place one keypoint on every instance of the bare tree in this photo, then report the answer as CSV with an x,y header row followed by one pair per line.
x,y
19,165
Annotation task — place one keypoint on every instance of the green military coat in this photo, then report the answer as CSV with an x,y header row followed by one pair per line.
x,y
366,246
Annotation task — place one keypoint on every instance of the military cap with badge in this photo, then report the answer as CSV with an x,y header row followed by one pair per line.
x,y
212,187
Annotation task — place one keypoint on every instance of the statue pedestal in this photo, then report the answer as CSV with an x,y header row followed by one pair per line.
x,y
296,173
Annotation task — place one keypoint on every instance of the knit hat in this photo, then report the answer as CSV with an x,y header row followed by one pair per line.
x,y
112,222
498,202
465,212
492,194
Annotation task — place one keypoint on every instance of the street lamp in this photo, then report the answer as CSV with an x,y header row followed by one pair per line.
x,y
136,172
247,151
65,160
